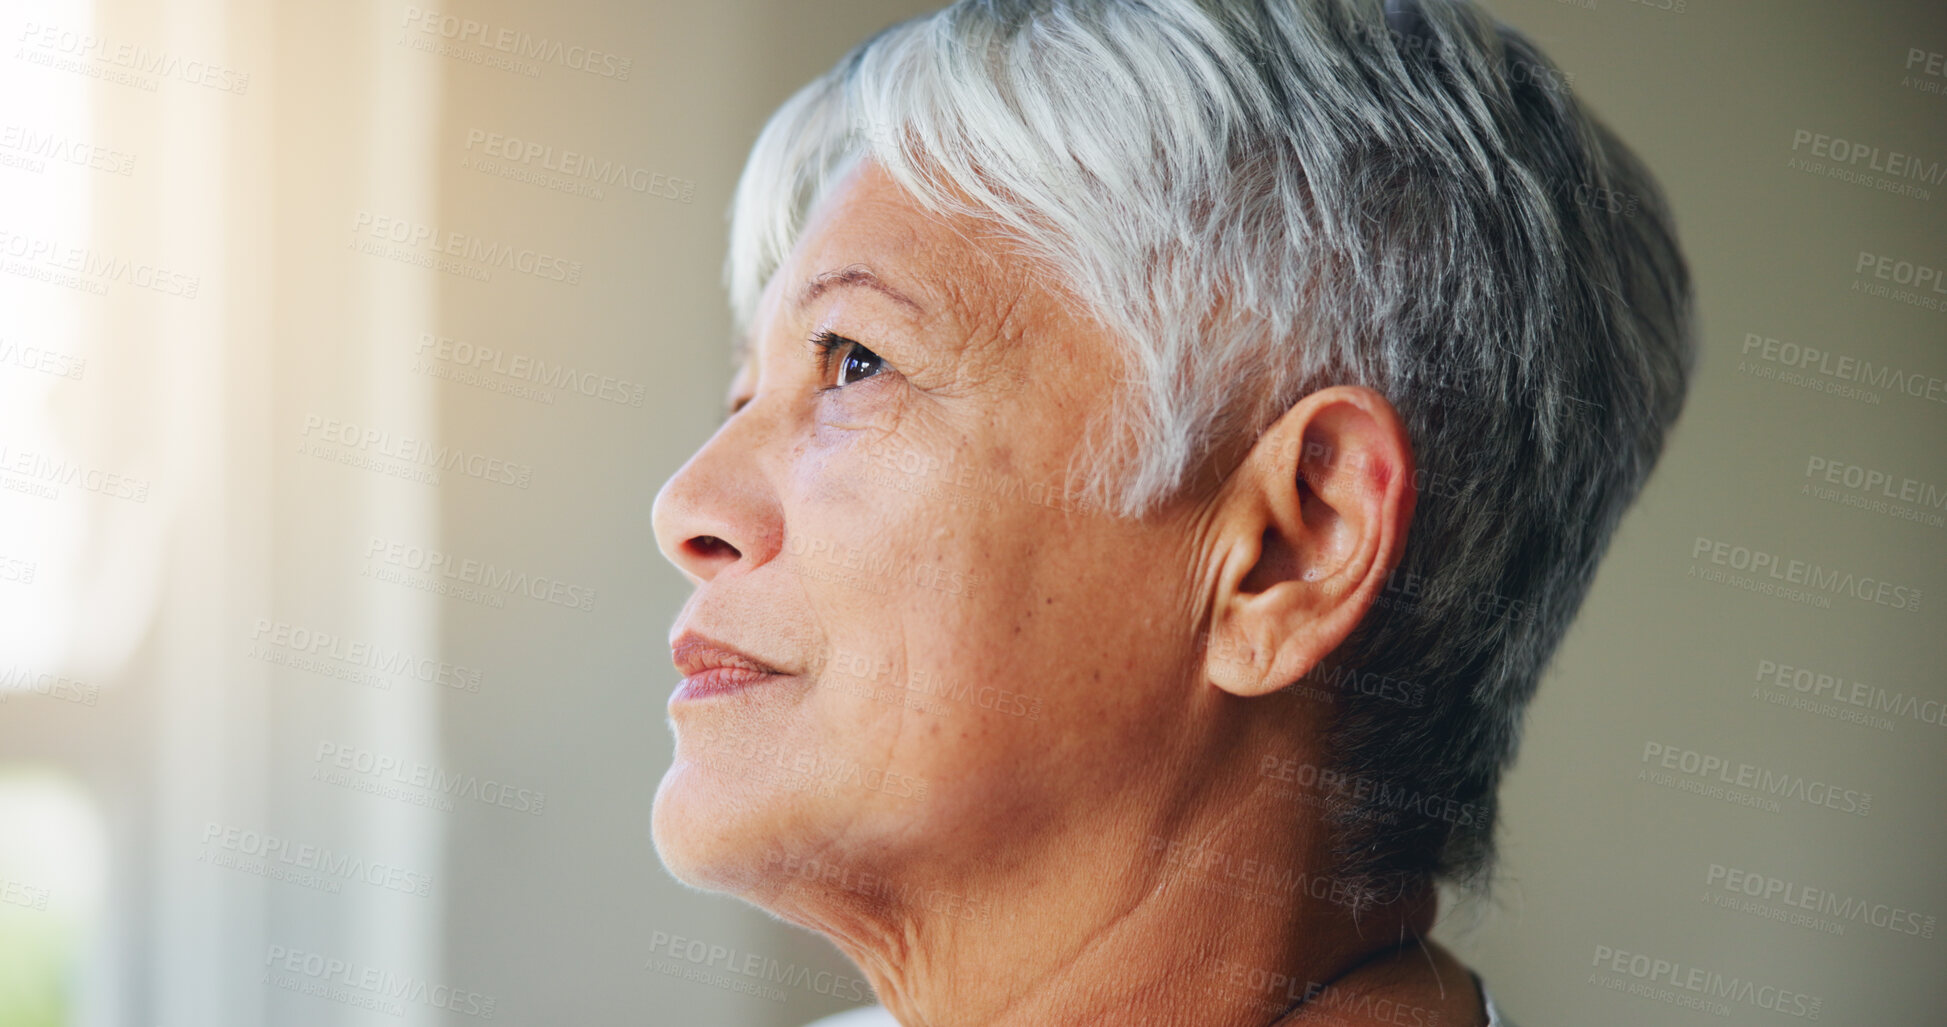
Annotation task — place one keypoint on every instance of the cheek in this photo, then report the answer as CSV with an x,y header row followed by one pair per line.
x,y
962,676
881,520
956,601
916,603
1091,637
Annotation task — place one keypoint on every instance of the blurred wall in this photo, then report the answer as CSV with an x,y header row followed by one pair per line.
x,y
577,917
1804,147
342,352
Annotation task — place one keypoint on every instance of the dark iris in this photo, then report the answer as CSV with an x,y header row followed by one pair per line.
x,y
855,361
859,363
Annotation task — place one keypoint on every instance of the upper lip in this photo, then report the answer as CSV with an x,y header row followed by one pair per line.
x,y
694,652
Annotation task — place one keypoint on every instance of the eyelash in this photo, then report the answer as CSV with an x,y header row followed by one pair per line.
x,y
829,343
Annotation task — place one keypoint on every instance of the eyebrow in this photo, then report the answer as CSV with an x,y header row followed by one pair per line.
x,y
849,276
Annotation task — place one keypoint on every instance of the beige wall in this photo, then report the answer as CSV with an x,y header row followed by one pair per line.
x,y
154,725
1597,857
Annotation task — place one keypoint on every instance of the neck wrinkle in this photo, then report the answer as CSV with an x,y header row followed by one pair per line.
x,y
1154,944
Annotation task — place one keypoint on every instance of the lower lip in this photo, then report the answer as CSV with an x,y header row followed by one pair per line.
x,y
719,681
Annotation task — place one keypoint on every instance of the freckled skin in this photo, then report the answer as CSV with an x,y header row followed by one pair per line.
x,y
899,522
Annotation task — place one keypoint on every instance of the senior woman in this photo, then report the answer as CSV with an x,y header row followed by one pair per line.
x,y
1168,441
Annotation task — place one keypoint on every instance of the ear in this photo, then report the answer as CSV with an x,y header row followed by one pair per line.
x,y
1309,527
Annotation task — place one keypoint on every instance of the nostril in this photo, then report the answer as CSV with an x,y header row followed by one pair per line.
x,y
710,546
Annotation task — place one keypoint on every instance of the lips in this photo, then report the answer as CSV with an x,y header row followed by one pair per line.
x,y
713,668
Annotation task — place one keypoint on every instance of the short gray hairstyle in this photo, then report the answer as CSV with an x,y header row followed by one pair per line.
x,y
1262,199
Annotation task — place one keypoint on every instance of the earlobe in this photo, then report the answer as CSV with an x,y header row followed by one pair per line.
x,y
1234,646
1314,520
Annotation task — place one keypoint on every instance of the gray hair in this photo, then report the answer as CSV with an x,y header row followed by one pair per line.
x,y
1262,199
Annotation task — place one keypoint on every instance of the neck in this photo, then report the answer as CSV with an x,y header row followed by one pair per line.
x,y
1190,917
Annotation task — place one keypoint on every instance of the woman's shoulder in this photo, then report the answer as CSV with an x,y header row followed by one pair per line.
x,y
865,1016
1494,1017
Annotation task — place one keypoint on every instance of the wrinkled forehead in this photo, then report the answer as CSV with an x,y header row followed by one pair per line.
x,y
953,275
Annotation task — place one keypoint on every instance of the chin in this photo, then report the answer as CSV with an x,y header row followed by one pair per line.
x,y
720,827
708,834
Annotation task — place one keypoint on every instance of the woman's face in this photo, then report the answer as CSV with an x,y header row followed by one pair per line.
x,y
974,664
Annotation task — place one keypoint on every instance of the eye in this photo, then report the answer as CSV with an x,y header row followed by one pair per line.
x,y
855,362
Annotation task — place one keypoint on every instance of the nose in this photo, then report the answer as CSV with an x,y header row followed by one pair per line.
x,y
719,511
